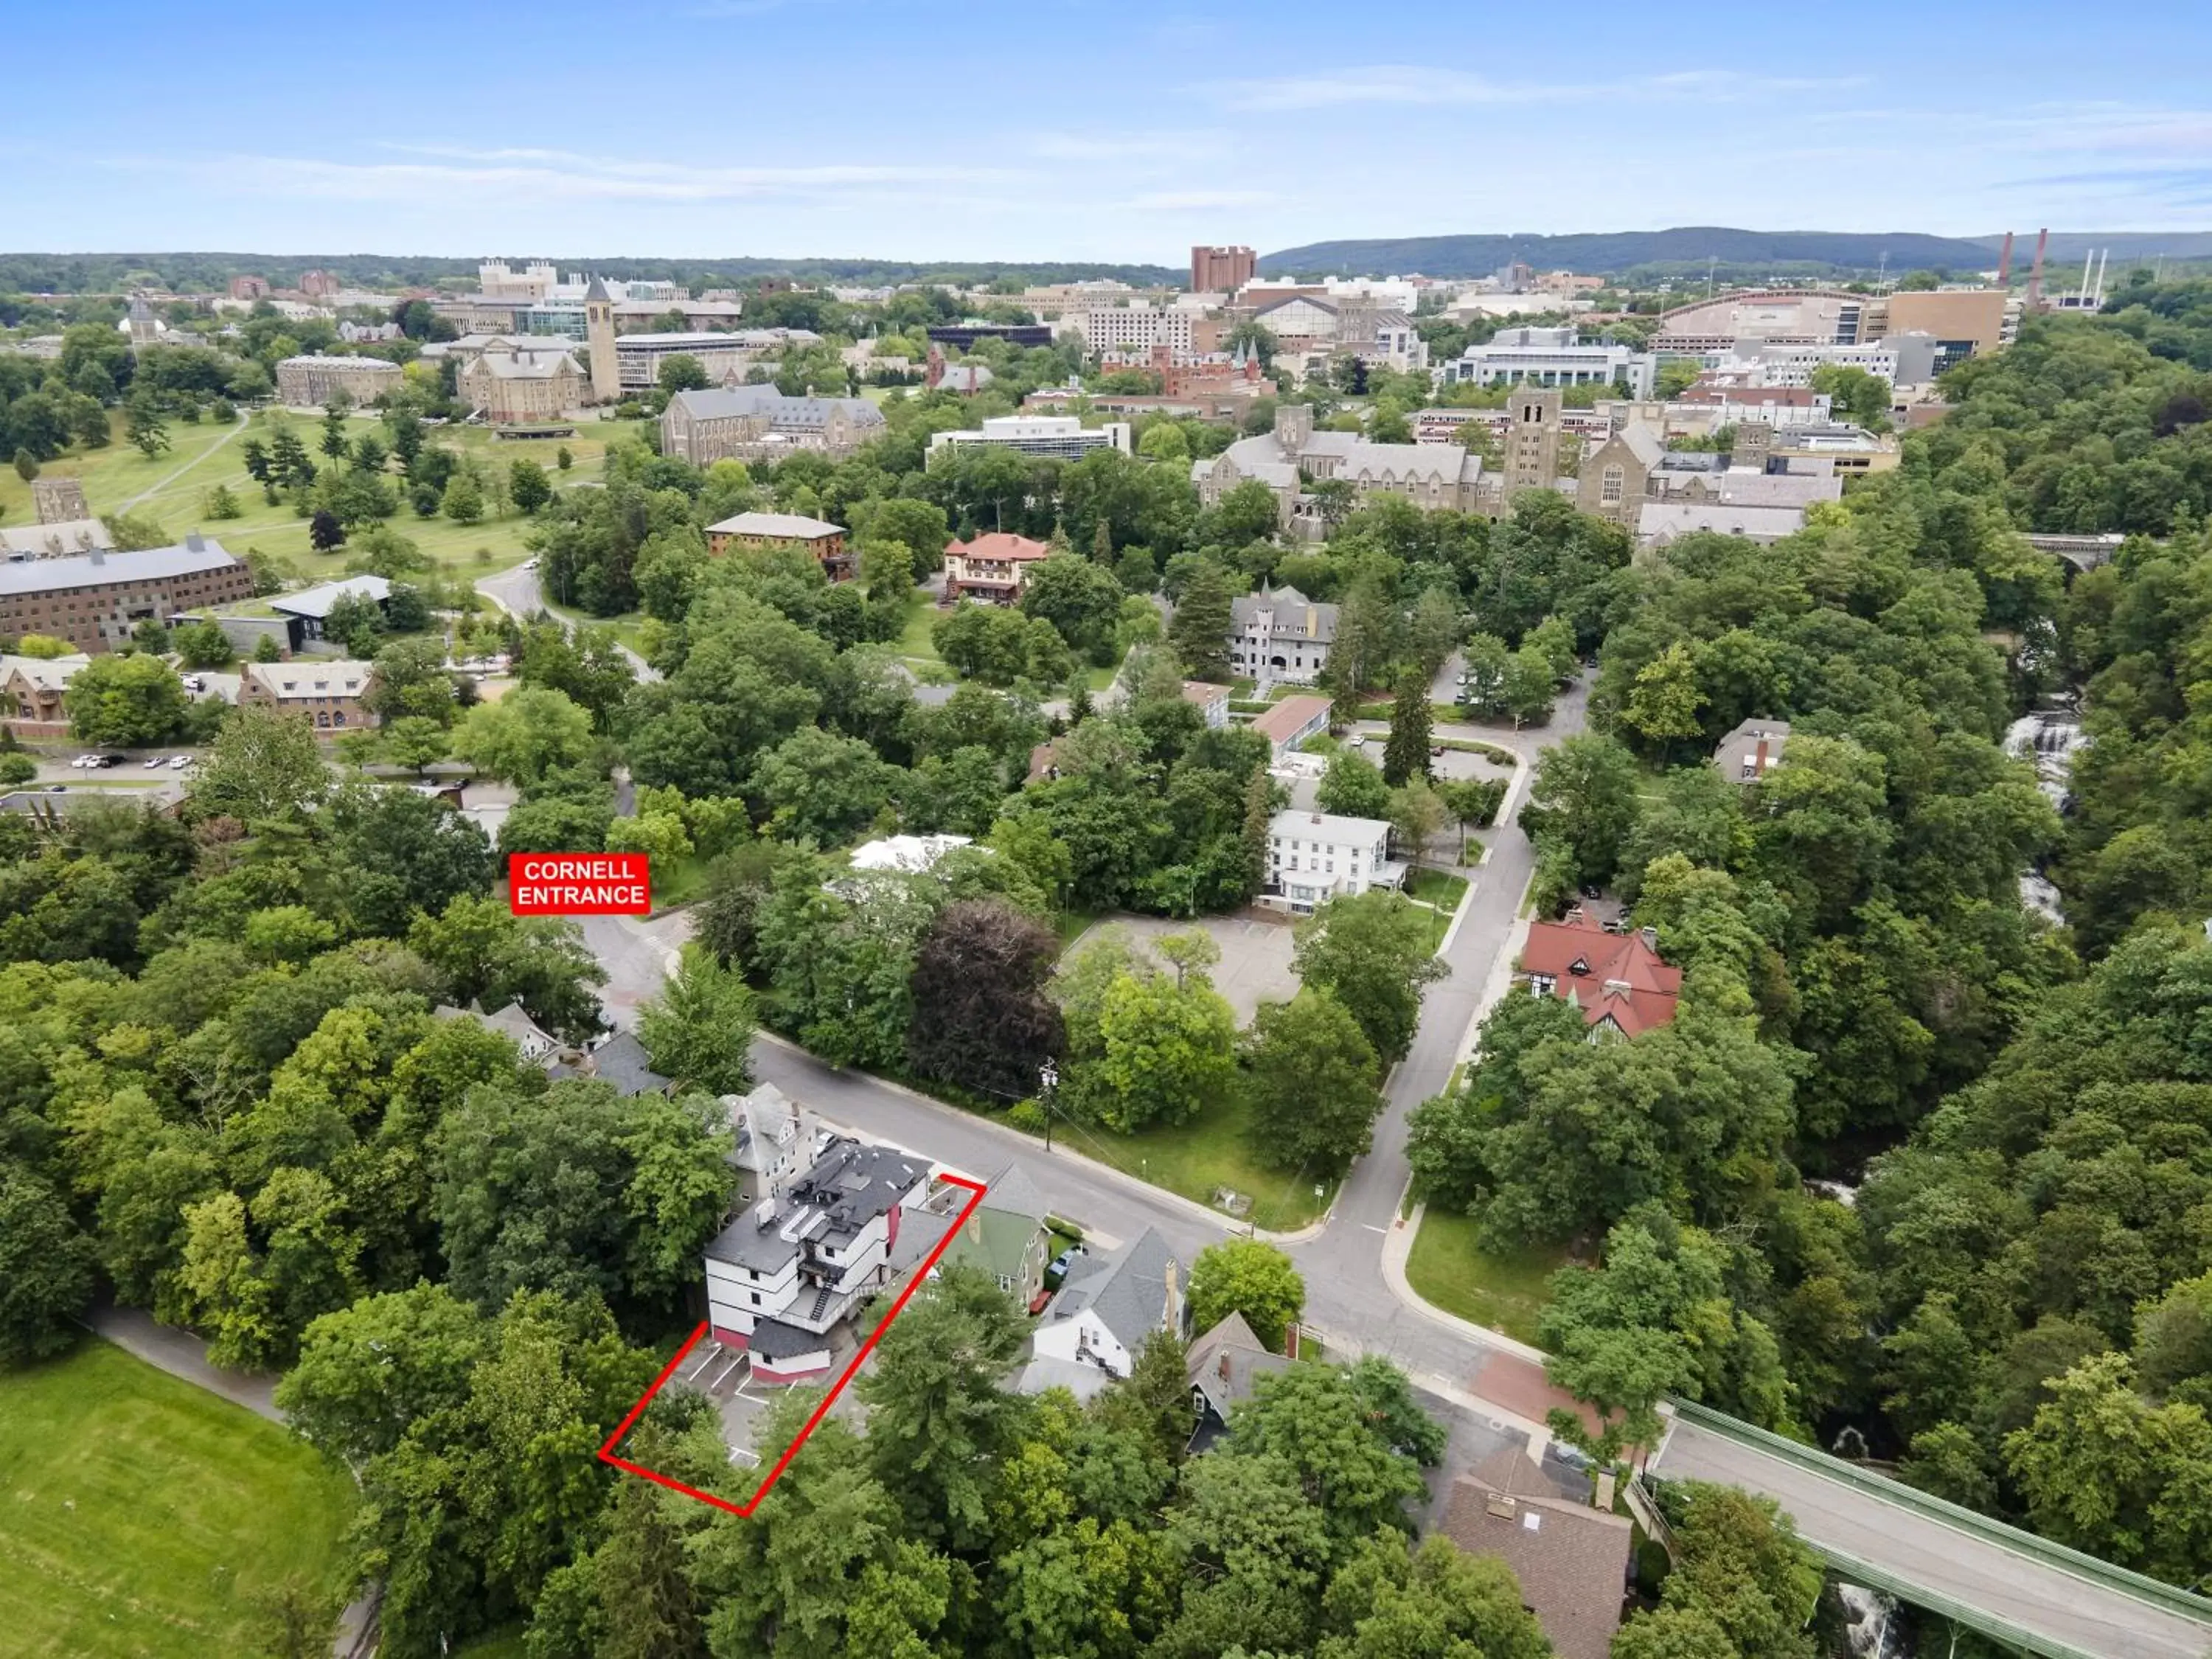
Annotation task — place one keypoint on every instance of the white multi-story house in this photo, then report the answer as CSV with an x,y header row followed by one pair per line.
x,y
777,1140
1314,857
796,1263
1098,1321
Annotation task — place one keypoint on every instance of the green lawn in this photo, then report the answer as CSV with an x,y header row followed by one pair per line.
x,y
204,455
1201,1157
1437,888
145,1516
1504,1292
628,627
914,642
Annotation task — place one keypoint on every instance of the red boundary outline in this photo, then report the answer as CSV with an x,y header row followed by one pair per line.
x,y
607,1453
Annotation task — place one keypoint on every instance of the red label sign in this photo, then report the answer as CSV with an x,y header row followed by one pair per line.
x,y
579,884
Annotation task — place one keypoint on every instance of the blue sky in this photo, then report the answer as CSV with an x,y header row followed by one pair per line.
x,y
1091,130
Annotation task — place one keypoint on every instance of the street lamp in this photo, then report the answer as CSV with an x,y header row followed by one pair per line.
x,y
1047,1080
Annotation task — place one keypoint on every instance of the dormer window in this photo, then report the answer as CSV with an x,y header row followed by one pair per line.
x,y
1580,965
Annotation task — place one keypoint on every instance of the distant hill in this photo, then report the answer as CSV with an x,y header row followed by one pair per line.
x,y
2128,247
1802,252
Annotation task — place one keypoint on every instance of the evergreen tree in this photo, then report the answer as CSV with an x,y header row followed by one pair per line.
x,y
1259,816
1200,631
1406,755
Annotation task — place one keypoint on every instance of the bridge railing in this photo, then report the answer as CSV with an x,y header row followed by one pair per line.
x,y
1897,1495
1853,1571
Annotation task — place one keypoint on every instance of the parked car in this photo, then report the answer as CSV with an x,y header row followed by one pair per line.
x,y
111,760
179,762
56,788
1066,1259
154,761
86,761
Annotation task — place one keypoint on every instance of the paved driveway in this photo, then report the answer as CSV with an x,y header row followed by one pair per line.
x,y
1256,955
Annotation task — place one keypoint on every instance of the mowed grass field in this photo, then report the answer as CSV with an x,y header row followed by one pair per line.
x,y
1215,1150
140,1516
1450,1267
206,454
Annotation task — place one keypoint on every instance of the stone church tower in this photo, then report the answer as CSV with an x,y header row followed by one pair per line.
x,y
1532,441
599,339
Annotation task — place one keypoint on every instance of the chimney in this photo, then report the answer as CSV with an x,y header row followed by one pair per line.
x,y
1758,757
194,541
98,555
2004,263
1650,938
2035,271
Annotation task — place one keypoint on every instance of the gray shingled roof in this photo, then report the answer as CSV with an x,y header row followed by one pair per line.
x,y
1128,1289
1014,1193
623,1063
1296,616
1225,1362
87,570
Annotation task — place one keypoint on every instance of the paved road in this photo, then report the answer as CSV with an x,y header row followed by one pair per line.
x,y
517,592
1964,1566
1346,1289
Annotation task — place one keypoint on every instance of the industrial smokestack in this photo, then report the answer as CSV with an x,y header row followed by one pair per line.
x,y
2004,263
2103,259
2035,272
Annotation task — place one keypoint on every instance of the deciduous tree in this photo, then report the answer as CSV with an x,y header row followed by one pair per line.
x,y
1245,1276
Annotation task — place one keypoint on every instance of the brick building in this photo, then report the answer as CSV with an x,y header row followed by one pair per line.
x,y
1221,270
754,531
94,600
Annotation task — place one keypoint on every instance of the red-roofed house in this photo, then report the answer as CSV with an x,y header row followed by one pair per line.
x,y
993,567
1617,980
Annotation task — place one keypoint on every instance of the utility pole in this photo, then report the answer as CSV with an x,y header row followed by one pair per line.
x,y
1049,1077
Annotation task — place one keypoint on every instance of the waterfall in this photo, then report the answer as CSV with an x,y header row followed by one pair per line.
x,y
1872,1631
2051,739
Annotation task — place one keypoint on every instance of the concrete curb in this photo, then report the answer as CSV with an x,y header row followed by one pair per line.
x,y
1397,1250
